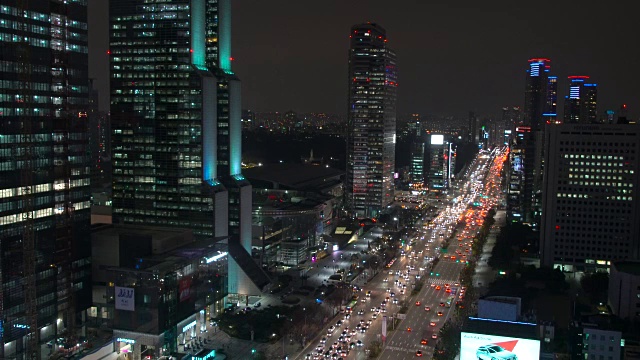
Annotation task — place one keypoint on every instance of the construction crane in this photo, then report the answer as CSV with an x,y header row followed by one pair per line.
x,y
27,142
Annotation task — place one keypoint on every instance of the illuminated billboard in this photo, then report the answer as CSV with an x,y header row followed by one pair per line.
x,y
437,139
490,347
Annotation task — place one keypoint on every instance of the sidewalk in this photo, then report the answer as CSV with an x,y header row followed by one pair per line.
x,y
484,274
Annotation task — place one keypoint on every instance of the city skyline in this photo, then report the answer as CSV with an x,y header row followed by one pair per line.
x,y
446,55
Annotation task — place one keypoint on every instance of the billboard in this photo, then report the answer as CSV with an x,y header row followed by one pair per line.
x,y
489,347
184,288
437,139
125,298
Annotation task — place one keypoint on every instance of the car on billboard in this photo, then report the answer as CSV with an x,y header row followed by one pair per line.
x,y
494,352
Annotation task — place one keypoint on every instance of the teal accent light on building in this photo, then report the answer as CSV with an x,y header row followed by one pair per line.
x,y
198,30
235,128
224,35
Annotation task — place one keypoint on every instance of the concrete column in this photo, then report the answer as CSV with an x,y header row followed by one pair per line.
x,y
136,351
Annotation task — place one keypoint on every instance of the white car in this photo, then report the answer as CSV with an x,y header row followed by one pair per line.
x,y
494,352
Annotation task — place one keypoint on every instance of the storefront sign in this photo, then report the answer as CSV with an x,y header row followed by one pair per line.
x,y
189,326
125,298
215,257
125,340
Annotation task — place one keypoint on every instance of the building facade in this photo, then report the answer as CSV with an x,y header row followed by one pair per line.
x,y
371,121
580,106
176,124
520,182
44,172
539,109
442,154
418,148
591,208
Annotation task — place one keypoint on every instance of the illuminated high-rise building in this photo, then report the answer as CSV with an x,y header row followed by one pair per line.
x,y
591,208
417,163
540,109
176,123
45,265
441,159
371,121
580,106
541,94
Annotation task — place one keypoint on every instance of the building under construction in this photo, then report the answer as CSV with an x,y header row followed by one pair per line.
x,y
44,174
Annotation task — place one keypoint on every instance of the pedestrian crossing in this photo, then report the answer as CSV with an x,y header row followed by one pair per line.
x,y
439,281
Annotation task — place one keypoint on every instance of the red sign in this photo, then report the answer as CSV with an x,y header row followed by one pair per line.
x,y
184,288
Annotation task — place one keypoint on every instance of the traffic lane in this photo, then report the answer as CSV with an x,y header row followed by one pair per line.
x,y
418,319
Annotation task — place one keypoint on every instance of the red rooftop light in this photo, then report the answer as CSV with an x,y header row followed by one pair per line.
x,y
577,77
539,59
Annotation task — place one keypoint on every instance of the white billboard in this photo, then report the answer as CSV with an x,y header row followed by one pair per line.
x,y
437,139
125,298
489,347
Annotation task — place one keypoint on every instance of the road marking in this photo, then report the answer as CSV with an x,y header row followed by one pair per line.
x,y
441,281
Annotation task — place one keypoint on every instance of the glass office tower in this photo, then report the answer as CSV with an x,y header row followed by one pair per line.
x,y
371,121
175,112
44,171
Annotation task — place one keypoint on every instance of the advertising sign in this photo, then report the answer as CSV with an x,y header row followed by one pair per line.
x,y
125,298
437,139
184,288
490,347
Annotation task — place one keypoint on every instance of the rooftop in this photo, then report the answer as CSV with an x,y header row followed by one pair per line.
x,y
629,267
293,176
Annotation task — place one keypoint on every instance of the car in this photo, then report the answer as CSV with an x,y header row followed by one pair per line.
x,y
323,340
359,343
434,336
418,303
432,324
418,353
439,313
494,352
438,287
427,308
442,304
423,341
408,329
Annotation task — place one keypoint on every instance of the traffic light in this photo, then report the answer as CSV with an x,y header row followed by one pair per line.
x,y
437,274
253,351
431,274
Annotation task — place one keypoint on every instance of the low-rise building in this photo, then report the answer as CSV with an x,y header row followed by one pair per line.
x,y
595,338
624,289
156,287
500,308
294,205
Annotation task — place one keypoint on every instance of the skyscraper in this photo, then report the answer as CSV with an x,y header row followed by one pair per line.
x,y
371,121
540,105
44,172
474,138
540,94
417,162
591,210
176,123
580,106
442,154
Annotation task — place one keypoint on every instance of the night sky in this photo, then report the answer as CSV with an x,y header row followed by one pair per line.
x,y
453,56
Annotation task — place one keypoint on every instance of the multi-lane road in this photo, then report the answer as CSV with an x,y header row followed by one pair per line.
x,y
416,334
